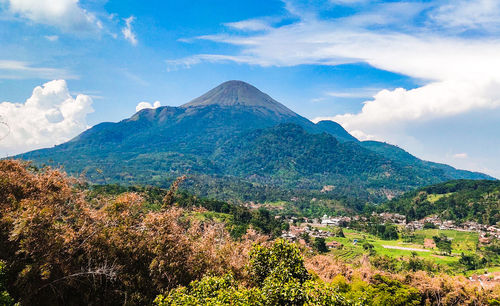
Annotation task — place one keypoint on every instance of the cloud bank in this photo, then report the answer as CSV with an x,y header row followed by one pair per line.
x,y
50,116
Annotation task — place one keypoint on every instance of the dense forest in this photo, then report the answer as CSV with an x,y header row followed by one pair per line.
x,y
460,200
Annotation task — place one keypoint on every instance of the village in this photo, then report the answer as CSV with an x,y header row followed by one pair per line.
x,y
312,227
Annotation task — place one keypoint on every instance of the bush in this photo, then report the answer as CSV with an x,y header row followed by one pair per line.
x,y
385,291
281,279
429,225
471,262
282,256
443,243
67,249
320,245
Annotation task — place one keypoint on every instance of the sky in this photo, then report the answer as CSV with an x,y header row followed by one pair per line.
x,y
423,75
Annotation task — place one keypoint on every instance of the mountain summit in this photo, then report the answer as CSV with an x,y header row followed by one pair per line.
x,y
239,93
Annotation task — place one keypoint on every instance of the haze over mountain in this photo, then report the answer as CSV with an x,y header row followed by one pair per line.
x,y
237,142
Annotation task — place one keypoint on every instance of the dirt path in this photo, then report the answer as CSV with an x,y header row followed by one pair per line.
x,y
403,248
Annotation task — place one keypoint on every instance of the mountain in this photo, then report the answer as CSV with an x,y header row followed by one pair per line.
x,y
395,153
459,200
240,94
236,142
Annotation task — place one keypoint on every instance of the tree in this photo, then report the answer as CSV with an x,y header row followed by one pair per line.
x,y
306,237
281,279
391,232
370,248
387,291
429,225
320,245
471,262
443,243
282,256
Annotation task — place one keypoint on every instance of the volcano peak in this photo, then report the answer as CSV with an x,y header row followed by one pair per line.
x,y
238,93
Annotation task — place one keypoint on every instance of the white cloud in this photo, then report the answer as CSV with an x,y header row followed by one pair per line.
x,y
52,37
348,2
347,93
143,105
249,25
460,155
128,32
435,100
50,116
468,14
353,93
67,15
23,70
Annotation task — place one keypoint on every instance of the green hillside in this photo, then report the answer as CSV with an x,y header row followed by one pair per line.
x,y
460,200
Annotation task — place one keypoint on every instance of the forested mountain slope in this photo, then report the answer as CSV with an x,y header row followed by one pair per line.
x,y
235,142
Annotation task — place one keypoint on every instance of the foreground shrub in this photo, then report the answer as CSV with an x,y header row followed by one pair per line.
x,y
280,279
63,249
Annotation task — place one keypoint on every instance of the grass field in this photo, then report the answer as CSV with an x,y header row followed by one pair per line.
x,y
461,242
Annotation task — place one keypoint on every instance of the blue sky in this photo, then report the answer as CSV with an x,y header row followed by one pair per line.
x,y
423,75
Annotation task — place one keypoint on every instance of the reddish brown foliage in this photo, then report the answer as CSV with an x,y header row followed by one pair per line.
x,y
63,249
439,289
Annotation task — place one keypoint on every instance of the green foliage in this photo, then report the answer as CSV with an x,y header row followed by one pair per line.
x,y
212,290
429,225
280,279
374,227
443,243
491,253
386,291
281,259
370,248
241,153
320,245
381,291
5,298
462,200
472,261
225,291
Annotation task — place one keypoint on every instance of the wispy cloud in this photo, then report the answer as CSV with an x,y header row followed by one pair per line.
x,y
354,93
10,69
250,25
460,155
468,15
128,32
347,93
52,37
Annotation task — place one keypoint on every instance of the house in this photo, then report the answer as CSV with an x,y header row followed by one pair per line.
x,y
334,245
330,221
